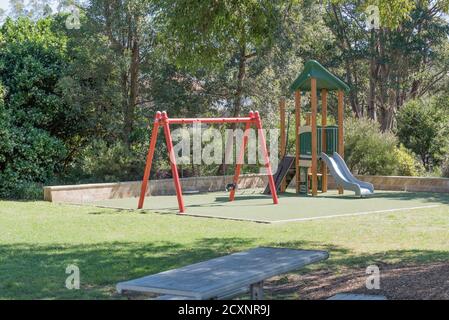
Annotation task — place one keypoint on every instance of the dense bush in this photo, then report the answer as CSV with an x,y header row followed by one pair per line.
x,y
407,164
103,162
28,157
368,150
33,117
423,127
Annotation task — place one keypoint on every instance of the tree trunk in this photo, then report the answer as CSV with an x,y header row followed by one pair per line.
x,y
240,79
352,94
237,105
133,92
372,112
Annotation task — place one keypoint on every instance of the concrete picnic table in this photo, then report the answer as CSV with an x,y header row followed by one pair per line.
x,y
225,276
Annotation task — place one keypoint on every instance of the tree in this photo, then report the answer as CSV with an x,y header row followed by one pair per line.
x,y
405,58
32,60
423,128
210,34
28,155
128,26
34,9
42,126
90,84
2,14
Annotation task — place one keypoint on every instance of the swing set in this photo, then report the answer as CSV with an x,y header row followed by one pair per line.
x,y
162,120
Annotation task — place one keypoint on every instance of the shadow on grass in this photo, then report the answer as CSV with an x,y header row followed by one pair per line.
x,y
112,211
38,271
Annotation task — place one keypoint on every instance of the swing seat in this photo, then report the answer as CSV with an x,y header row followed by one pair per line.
x,y
190,191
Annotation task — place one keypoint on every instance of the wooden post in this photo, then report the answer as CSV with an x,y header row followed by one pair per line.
x,y
341,146
323,137
314,168
308,119
297,127
283,142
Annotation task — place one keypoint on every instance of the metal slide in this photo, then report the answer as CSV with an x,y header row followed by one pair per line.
x,y
344,178
282,172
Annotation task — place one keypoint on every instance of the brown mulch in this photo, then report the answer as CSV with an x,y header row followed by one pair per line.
x,y
397,282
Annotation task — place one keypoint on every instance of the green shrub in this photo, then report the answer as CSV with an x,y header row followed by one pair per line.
x,y
368,150
407,164
28,157
103,162
422,126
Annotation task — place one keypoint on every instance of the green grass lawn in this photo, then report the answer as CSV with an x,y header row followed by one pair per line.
x,y
38,240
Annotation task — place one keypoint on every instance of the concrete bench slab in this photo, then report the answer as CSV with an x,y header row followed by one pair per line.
x,y
214,278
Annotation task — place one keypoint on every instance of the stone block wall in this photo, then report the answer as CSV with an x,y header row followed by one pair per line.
x,y
103,191
96,192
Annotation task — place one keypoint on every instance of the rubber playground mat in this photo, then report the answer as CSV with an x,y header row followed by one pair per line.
x,y
251,205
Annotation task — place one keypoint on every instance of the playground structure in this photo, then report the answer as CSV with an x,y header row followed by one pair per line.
x,y
313,142
162,120
317,148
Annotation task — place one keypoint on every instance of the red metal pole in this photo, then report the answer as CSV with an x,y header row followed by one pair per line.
x,y
172,156
267,158
209,120
149,162
241,157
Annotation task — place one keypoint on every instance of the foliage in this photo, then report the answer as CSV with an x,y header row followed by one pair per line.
x,y
368,150
405,58
28,156
35,119
209,33
407,164
423,128
70,96
445,167
391,12
100,162
32,59
127,26
90,85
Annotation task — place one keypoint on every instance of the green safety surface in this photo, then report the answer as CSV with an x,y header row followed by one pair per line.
x,y
251,205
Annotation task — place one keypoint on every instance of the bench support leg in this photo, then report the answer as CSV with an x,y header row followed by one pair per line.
x,y
257,291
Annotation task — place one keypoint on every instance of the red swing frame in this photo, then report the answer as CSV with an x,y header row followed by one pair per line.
x,y
162,120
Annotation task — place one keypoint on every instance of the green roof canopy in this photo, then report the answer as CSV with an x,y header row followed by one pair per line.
x,y
324,79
